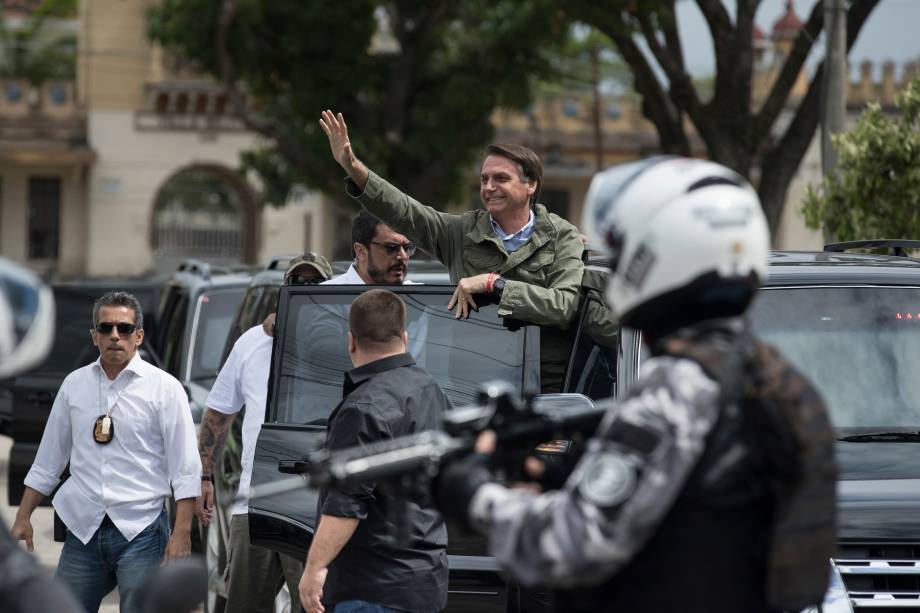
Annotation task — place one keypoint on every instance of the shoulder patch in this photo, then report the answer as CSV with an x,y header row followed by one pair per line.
x,y
606,479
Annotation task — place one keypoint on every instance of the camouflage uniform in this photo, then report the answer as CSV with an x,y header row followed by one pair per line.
x,y
736,478
617,495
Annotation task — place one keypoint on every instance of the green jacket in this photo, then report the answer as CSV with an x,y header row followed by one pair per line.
x,y
543,277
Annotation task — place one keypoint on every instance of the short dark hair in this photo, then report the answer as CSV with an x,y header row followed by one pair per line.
x,y
528,161
119,299
364,229
377,318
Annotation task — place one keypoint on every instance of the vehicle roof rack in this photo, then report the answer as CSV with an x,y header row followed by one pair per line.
x,y
898,246
196,266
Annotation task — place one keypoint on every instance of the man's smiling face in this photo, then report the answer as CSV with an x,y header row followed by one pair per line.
x,y
502,187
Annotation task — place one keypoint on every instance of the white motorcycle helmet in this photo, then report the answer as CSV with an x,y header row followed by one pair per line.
x,y
26,319
687,240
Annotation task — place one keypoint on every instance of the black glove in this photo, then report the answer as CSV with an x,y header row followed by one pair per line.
x,y
457,483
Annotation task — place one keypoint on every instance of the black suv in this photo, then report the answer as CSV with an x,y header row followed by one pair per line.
x,y
851,323
197,307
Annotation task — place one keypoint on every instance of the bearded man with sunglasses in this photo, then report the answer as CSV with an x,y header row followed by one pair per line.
x,y
126,429
381,254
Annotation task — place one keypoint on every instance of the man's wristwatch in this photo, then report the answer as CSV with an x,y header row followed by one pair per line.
x,y
207,478
498,286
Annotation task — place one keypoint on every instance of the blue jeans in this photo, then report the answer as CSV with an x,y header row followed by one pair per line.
x,y
108,560
360,606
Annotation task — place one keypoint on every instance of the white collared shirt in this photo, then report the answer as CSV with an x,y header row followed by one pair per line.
x,y
351,277
154,447
243,381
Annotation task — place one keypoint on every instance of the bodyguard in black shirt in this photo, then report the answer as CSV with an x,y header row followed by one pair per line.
x,y
354,563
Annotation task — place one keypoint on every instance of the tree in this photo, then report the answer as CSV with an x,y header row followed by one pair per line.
x,y
416,81
875,192
30,51
735,131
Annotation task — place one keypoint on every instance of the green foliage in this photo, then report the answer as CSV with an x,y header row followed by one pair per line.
x,y
416,81
33,51
875,192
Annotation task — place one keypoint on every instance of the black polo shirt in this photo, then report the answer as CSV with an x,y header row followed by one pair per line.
x,y
382,400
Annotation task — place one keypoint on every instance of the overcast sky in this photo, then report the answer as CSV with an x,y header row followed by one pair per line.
x,y
890,33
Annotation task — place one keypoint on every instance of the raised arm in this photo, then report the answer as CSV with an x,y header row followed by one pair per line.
x,y
334,127
435,232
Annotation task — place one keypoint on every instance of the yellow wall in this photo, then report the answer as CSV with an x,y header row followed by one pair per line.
x,y
115,57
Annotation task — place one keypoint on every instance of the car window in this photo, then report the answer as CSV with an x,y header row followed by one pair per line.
x,y
267,305
459,354
248,308
860,346
213,317
594,369
173,315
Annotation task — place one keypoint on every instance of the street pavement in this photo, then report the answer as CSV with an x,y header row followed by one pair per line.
x,y
46,549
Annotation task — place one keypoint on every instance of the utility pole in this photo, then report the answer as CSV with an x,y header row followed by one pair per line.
x,y
834,92
596,114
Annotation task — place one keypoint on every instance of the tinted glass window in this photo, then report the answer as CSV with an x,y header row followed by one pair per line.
x,y
860,346
173,315
215,314
459,354
594,372
267,305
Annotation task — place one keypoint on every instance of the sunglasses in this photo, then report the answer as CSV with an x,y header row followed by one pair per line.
x,y
393,248
304,280
124,328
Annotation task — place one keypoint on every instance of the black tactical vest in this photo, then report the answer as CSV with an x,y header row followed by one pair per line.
x,y
737,538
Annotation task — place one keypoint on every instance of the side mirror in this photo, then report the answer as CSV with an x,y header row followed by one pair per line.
x,y
26,319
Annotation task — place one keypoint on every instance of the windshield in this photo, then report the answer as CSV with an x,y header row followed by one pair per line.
x,y
459,354
216,310
859,345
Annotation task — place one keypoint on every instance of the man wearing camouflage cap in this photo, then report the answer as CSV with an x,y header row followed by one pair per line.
x,y
253,573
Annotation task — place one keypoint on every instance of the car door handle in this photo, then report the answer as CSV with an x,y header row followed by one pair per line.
x,y
293,467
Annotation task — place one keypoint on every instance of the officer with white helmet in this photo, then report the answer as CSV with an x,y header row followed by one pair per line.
x,y
678,503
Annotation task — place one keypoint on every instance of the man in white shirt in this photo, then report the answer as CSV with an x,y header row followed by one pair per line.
x,y
126,429
254,574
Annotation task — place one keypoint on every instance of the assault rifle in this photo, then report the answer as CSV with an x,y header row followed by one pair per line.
x,y
548,426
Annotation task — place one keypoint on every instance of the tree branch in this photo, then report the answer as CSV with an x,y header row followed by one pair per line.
x,y
682,91
782,160
720,27
655,105
671,37
779,93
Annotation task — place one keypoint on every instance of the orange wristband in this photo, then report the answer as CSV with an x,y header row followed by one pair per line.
x,y
489,281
